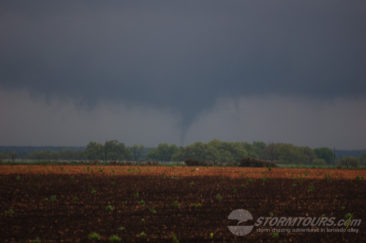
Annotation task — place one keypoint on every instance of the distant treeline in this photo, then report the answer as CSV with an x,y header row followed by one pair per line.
x,y
215,151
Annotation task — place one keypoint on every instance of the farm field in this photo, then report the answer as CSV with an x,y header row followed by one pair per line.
x,y
232,172
162,204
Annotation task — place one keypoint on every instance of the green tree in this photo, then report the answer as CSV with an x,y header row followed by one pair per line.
x,y
114,150
193,151
227,151
257,149
288,153
137,152
281,152
307,156
95,151
164,152
269,152
215,150
325,153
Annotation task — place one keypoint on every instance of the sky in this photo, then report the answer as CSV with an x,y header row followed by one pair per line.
x,y
147,72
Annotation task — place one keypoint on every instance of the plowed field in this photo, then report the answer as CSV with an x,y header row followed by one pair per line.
x,y
160,204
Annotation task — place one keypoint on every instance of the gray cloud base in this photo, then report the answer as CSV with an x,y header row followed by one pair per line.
x,y
181,57
302,121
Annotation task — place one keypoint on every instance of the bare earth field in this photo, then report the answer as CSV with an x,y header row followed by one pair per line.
x,y
161,204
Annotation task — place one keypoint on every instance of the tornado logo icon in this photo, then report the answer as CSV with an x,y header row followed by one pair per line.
x,y
242,216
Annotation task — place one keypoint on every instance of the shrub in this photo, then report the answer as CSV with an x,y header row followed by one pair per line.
x,y
37,240
94,236
75,199
114,238
153,210
196,205
176,204
109,208
275,235
174,238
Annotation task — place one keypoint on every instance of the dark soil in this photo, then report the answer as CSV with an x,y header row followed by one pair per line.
x,y
67,208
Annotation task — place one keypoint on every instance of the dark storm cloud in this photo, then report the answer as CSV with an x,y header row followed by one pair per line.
x,y
183,55
302,121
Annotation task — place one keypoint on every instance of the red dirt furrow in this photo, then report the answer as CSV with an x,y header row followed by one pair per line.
x,y
233,172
